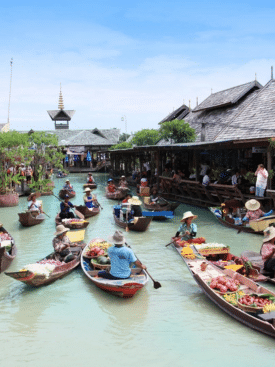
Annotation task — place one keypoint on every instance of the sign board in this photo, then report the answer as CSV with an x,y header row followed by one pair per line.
x,y
259,150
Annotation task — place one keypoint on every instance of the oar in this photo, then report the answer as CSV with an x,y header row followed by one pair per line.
x,y
156,284
80,215
169,244
41,213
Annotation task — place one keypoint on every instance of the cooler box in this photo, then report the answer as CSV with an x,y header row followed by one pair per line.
x,y
117,210
144,191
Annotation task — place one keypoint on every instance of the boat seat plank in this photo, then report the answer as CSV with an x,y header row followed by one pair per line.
x,y
269,316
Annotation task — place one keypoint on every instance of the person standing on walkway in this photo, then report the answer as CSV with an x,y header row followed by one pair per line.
x,y
261,182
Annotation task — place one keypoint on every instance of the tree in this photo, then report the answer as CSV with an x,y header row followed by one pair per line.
x,y
146,137
177,131
123,137
46,154
13,151
123,145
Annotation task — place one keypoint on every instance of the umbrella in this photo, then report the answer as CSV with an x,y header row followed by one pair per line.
x,y
66,158
88,158
76,158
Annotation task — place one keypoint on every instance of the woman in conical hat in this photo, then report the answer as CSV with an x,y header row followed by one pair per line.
x,y
253,211
187,229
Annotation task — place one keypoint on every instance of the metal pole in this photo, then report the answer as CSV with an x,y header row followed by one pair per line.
x,y
11,62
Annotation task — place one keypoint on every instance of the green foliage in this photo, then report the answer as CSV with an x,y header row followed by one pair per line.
x,y
123,145
13,151
250,176
270,174
177,130
123,137
146,137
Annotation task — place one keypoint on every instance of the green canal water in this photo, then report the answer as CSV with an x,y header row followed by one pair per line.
x,y
72,323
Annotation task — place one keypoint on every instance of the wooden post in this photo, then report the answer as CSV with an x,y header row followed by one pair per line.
x,y
269,167
197,164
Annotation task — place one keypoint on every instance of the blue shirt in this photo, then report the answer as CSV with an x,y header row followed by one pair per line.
x,y
64,208
192,229
121,258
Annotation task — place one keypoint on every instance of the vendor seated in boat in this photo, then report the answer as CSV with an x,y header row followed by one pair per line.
x,y
135,208
121,258
68,186
123,183
111,186
268,249
90,178
62,244
187,229
89,199
34,206
253,211
154,198
65,209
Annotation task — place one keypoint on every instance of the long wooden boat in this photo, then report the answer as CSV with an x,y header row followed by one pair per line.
x,y
258,321
6,257
168,207
257,262
63,192
117,195
72,223
37,280
125,288
141,224
28,220
90,185
86,211
230,223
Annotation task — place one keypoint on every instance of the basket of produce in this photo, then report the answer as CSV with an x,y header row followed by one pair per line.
x,y
96,248
255,302
101,262
212,249
224,285
75,223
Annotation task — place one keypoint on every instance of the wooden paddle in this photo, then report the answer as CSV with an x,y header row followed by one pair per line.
x,y
156,284
77,213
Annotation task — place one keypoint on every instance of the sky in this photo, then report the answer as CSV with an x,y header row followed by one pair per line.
x,y
137,60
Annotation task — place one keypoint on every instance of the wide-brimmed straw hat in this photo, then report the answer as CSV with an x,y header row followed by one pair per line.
x,y
37,194
117,238
67,181
252,205
269,233
61,229
122,176
134,201
90,174
188,215
88,189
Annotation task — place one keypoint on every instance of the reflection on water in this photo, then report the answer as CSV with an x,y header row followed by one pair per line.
x,y
73,323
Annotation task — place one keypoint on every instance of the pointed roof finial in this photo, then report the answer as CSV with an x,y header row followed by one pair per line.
x,y
189,104
272,72
197,101
255,76
60,104
211,90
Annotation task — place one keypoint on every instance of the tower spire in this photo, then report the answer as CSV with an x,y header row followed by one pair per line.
x,y
60,104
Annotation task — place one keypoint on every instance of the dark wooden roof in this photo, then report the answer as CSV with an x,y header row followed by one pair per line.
x,y
178,114
61,115
227,97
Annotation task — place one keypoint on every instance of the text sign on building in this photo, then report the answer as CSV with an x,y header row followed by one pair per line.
x,y
258,150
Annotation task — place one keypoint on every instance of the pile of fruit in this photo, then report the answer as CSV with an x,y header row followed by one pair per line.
x,y
233,297
97,248
256,301
52,262
72,221
212,248
184,243
224,284
4,236
188,253
269,308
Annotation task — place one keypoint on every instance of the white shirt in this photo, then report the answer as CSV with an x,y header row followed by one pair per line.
x,y
204,168
35,207
261,180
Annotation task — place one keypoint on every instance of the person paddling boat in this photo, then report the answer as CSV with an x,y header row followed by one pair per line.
x,y
253,211
121,258
62,244
90,200
65,208
187,229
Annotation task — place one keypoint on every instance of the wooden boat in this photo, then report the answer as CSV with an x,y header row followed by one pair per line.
x,y
141,224
257,321
6,257
87,212
63,192
230,223
79,224
37,280
168,207
125,288
117,195
90,185
28,220
257,262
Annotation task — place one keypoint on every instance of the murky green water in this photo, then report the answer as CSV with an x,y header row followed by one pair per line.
x,y
72,323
